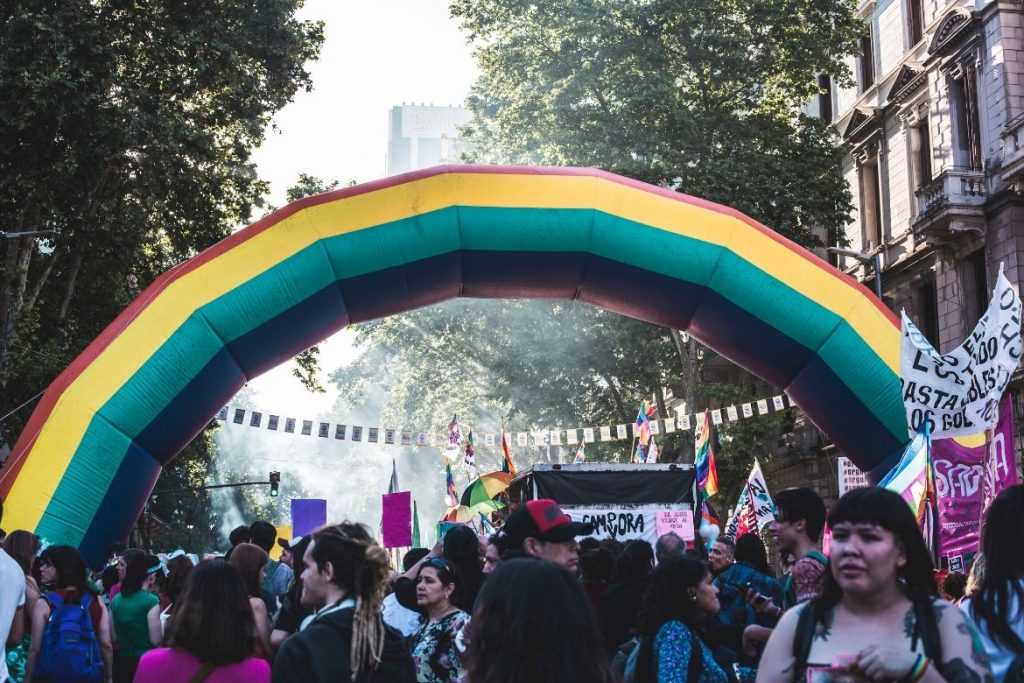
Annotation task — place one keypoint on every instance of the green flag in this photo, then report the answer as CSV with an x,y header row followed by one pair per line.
x,y
415,527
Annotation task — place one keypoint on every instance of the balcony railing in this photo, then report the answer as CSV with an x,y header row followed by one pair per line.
x,y
953,188
1013,154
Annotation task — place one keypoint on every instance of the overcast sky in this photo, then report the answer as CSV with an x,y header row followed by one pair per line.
x,y
375,55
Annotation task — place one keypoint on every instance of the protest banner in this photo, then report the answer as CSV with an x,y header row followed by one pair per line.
x,y
959,391
959,484
625,522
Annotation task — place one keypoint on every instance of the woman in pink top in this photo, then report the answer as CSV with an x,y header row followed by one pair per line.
x,y
209,635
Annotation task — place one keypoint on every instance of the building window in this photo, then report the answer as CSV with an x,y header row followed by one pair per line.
x,y
921,153
915,21
825,97
928,312
974,284
963,95
866,62
870,202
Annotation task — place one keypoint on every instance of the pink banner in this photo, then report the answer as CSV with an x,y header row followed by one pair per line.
x,y
396,519
961,486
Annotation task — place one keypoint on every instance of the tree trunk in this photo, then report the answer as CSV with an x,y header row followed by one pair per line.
x,y
76,265
616,396
30,302
17,258
687,350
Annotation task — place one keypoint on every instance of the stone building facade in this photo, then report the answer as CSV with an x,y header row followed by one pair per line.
x,y
935,125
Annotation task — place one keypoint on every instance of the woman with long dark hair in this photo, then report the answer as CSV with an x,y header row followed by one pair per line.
x,y
129,610
434,653
178,570
210,631
878,616
679,600
997,602
460,547
619,605
63,568
22,547
251,562
533,622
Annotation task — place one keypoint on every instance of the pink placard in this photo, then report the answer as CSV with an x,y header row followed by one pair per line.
x,y
396,519
679,522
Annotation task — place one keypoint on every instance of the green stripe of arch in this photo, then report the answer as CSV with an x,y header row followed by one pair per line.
x,y
310,270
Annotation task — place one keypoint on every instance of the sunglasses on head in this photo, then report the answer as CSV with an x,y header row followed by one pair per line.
x,y
438,563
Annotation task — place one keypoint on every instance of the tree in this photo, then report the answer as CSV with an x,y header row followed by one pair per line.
x,y
698,95
127,131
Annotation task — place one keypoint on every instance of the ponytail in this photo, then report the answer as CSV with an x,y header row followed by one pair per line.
x,y
367,625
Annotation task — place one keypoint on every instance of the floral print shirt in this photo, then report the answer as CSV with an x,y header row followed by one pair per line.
x,y
434,653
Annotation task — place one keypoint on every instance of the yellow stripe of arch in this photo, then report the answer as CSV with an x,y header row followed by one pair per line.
x,y
129,351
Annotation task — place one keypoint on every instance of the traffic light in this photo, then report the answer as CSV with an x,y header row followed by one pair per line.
x,y
275,483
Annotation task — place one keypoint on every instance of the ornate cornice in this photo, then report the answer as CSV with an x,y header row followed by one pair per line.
x,y
952,29
863,122
909,81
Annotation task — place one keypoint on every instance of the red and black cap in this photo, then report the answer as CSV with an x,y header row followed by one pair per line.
x,y
544,520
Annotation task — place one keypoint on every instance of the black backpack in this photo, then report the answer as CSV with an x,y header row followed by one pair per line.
x,y
926,627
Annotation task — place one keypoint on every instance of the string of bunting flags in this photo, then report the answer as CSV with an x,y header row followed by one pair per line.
x,y
683,422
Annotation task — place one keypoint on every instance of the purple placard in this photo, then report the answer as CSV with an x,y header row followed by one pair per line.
x,y
308,515
396,519
960,484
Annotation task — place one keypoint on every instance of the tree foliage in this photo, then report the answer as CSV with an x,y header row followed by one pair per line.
x,y
697,95
127,131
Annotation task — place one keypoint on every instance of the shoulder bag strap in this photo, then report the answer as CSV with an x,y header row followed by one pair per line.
x,y
803,638
696,667
928,628
202,674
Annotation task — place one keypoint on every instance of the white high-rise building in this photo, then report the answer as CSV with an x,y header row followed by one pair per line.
x,y
421,136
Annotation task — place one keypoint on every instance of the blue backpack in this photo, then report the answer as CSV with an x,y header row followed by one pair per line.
x,y
70,651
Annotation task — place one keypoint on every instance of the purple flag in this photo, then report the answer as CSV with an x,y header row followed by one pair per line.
x,y
396,519
308,515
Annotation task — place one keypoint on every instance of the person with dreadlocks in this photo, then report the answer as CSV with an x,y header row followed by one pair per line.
x,y
344,577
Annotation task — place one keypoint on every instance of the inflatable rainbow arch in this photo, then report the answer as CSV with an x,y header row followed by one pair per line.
x,y
92,450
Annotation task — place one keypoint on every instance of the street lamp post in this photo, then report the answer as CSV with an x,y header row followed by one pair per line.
x,y
26,233
874,259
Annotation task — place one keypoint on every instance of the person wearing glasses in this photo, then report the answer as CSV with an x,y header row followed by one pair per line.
x,y
434,651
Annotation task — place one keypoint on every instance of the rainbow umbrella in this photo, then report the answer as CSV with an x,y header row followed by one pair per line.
x,y
468,513
485,487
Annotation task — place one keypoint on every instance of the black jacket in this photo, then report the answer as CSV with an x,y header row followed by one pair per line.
x,y
320,654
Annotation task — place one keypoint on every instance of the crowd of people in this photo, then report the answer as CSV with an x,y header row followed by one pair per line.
x,y
539,601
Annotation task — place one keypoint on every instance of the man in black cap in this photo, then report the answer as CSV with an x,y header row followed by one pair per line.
x,y
539,528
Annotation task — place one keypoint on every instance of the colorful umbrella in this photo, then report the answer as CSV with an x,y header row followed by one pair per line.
x,y
468,513
485,487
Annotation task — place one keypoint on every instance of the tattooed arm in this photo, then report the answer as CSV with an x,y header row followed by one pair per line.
x,y
962,649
